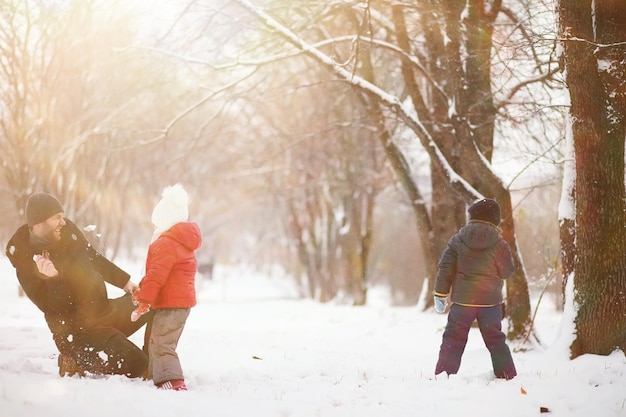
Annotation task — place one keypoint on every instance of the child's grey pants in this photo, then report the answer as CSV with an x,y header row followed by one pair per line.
x,y
167,327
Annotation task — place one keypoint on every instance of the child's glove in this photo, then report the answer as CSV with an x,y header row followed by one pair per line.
x,y
142,308
440,304
135,297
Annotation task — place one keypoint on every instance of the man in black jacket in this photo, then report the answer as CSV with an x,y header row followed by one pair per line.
x,y
64,276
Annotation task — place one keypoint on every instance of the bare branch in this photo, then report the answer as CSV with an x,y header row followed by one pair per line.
x,y
598,45
170,125
405,112
516,88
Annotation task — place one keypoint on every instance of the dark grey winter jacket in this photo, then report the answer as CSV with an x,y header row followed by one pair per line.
x,y
474,265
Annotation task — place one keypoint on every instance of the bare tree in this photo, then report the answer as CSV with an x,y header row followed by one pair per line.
x,y
461,143
61,125
295,141
90,117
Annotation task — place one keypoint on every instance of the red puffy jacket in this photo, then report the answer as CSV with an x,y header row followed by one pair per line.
x,y
171,268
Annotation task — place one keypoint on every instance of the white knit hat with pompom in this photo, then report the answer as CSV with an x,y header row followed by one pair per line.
x,y
171,209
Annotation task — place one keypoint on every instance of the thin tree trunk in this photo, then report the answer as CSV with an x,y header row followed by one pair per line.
x,y
445,202
403,172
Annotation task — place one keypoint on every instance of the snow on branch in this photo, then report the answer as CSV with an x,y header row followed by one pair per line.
x,y
404,111
597,45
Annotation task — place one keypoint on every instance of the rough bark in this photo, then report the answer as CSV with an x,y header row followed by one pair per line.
x,y
598,114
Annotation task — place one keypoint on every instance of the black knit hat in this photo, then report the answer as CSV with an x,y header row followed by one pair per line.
x,y
40,207
486,209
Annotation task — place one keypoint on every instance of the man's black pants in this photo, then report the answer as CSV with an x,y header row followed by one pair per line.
x,y
102,346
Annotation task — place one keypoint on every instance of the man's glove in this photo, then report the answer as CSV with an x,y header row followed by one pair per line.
x,y
141,309
440,304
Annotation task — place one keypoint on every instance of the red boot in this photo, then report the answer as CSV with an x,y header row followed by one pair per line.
x,y
174,384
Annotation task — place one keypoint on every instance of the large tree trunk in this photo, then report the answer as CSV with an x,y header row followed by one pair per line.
x,y
446,207
466,129
598,111
473,123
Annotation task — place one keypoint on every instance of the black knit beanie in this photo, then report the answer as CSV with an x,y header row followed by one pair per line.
x,y
40,207
486,209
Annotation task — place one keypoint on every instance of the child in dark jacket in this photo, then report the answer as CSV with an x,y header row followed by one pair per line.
x,y
472,270
168,286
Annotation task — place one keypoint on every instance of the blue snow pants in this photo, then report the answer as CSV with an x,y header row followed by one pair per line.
x,y
460,319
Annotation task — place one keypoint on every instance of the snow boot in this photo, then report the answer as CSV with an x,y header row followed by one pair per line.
x,y
68,366
175,385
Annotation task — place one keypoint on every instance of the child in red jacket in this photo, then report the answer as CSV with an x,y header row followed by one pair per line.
x,y
168,286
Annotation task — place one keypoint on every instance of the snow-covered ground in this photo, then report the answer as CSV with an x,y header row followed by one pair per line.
x,y
251,348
